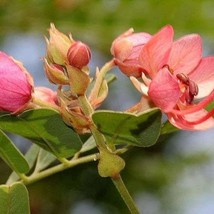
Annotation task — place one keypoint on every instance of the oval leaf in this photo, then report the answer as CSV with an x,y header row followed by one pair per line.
x,y
44,159
46,128
11,155
37,158
14,199
88,145
126,128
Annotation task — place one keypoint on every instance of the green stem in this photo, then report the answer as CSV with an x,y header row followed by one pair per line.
x,y
55,169
99,80
118,182
88,110
100,141
37,102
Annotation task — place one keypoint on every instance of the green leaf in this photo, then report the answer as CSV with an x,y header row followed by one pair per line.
x,y
168,128
110,165
110,77
44,159
167,131
37,158
210,106
14,199
46,128
88,145
11,155
126,128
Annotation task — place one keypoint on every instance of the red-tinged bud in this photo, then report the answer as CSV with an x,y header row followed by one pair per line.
x,y
79,55
16,85
57,46
126,50
56,73
45,94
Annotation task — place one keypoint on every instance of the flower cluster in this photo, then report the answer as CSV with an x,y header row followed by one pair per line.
x,y
66,65
171,75
174,75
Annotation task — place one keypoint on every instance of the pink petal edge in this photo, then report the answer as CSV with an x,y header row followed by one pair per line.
x,y
155,53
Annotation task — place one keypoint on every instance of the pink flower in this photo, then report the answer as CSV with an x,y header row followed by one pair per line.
x,y
16,85
126,49
176,76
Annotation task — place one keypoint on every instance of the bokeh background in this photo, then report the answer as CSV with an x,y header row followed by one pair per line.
x,y
172,177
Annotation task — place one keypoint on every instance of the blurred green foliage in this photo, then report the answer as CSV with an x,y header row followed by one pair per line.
x,y
99,21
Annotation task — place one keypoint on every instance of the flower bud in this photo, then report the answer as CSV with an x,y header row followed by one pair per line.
x,y
45,94
79,55
72,113
55,73
16,85
57,46
126,50
78,79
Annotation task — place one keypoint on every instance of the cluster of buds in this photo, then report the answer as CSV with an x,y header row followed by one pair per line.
x,y
66,64
64,58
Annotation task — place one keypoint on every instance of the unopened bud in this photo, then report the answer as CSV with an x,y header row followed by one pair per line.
x,y
79,55
126,50
16,85
57,45
56,73
45,94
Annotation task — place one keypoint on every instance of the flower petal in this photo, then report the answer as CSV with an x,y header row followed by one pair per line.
x,y
141,87
155,53
185,54
203,76
189,121
15,84
164,90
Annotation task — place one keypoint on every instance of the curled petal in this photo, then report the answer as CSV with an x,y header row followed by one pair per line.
x,y
196,107
164,90
122,46
203,76
200,120
141,87
155,53
126,49
129,68
185,54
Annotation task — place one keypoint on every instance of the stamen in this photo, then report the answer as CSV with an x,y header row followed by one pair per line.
x,y
196,107
183,78
170,70
193,88
189,97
